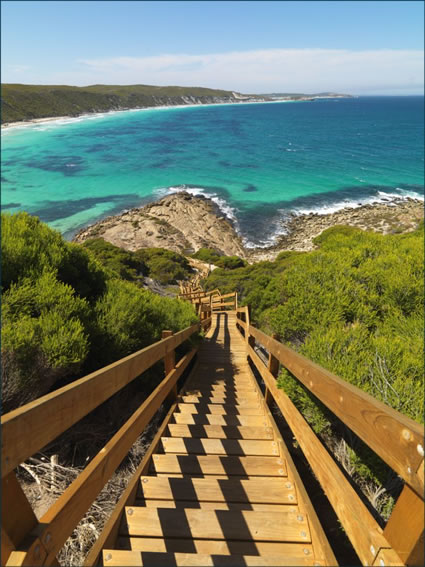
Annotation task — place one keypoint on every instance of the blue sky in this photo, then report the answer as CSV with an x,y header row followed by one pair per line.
x,y
362,47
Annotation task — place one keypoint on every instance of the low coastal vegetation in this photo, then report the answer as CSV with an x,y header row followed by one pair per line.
x,y
214,257
70,309
355,306
165,266
26,102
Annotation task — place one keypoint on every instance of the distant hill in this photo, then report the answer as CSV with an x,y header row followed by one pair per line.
x,y
26,102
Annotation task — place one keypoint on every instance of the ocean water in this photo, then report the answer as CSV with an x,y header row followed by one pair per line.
x,y
259,162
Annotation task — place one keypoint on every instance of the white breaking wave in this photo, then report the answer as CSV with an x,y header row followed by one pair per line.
x,y
380,197
277,227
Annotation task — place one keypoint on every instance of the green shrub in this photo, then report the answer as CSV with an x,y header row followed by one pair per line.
x,y
44,337
121,262
207,255
164,265
230,262
129,318
29,247
64,314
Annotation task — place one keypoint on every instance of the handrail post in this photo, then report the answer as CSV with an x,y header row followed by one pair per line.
x,y
405,528
170,364
273,368
250,340
18,520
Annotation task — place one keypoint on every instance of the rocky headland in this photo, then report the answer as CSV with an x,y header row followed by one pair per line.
x,y
179,222
184,223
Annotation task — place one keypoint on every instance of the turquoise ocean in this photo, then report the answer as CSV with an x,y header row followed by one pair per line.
x,y
258,161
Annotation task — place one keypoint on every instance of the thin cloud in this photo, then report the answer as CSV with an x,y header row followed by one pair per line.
x,y
272,70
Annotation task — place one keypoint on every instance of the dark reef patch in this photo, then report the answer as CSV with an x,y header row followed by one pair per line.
x,y
67,165
250,188
111,158
11,206
54,210
97,148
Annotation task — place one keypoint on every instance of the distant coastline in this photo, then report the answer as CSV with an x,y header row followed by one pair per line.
x,y
31,104
91,115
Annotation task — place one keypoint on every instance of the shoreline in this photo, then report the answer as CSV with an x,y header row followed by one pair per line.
x,y
88,115
91,115
184,223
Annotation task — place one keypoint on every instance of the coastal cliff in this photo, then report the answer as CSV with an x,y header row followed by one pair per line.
x,y
183,223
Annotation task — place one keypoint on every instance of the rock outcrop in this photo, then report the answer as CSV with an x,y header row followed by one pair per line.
x,y
400,215
184,223
178,222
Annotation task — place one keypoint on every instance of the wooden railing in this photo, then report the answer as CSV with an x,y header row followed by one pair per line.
x,y
218,302
26,430
398,440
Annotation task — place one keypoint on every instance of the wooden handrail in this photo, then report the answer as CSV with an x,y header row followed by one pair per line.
x,y
225,296
397,439
362,529
27,541
60,520
31,427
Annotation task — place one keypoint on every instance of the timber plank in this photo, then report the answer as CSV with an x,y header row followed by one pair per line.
x,y
213,419
213,464
218,524
219,409
232,394
220,431
204,387
203,446
118,558
217,490
250,402
216,547
181,504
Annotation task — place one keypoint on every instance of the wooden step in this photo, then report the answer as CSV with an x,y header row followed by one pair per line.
x,y
248,402
220,409
118,558
219,389
216,419
301,551
181,504
213,464
221,392
220,431
274,491
203,446
216,524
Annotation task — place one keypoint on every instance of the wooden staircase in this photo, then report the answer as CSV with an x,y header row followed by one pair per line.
x,y
219,490
217,486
